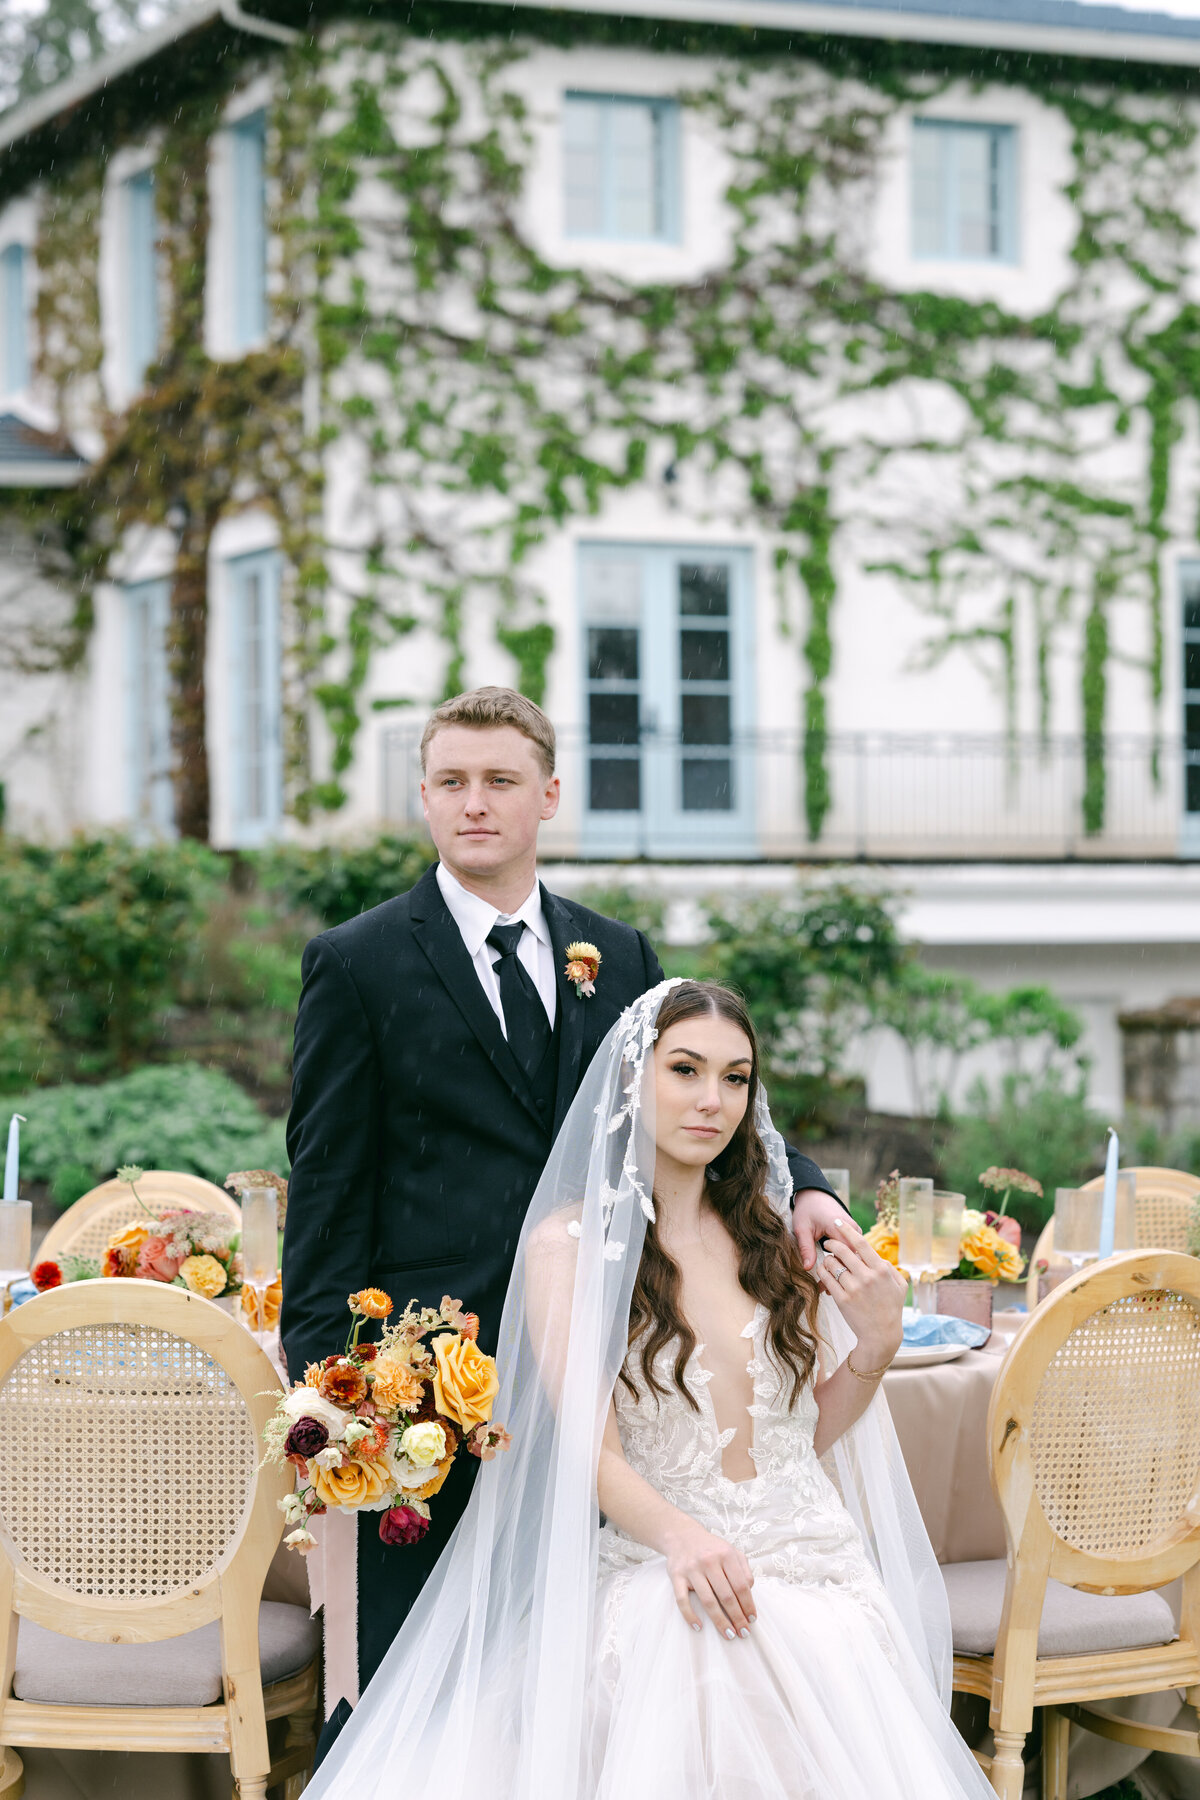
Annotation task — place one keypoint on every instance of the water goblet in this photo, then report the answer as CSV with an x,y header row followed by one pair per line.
x,y
915,1232
1077,1224
260,1249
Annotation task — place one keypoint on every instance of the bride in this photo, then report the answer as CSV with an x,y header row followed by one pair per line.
x,y
758,1616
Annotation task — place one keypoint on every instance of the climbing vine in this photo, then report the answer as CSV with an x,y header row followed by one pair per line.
x,y
483,396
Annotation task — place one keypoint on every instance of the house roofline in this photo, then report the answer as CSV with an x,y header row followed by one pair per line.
x,y
819,18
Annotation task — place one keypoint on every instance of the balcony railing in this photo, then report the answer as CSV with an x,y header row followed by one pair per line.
x,y
892,796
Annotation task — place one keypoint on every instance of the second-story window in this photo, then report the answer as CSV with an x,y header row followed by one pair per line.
x,y
249,232
14,319
140,277
621,167
964,201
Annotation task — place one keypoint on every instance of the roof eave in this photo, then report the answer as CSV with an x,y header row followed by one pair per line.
x,y
38,474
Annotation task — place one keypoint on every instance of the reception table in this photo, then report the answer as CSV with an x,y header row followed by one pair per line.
x,y
940,1414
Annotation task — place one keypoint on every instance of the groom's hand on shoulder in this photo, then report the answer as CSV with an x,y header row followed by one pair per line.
x,y
816,1214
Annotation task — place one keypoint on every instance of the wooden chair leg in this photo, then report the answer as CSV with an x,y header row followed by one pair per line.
x,y
12,1775
1008,1765
1056,1736
251,1788
301,1735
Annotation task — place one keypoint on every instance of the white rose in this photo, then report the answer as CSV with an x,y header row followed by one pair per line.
x,y
423,1445
329,1458
306,1403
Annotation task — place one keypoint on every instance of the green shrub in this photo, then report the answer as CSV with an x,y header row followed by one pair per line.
x,y
1040,1124
340,881
174,1116
101,930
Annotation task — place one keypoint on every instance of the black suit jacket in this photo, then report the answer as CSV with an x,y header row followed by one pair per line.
x,y
414,1141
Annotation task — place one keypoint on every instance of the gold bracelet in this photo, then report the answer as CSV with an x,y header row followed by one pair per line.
x,y
867,1374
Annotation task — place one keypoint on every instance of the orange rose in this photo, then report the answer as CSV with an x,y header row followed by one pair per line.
x,y
465,1384
273,1300
356,1483
395,1387
344,1384
129,1239
372,1302
434,1485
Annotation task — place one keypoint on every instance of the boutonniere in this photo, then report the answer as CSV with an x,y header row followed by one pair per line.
x,y
583,965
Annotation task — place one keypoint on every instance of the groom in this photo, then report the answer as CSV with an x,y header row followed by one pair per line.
x,y
439,1045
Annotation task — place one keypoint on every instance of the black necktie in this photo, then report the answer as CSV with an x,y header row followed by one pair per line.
x,y
524,1015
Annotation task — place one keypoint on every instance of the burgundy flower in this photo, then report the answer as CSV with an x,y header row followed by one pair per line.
x,y
402,1525
306,1438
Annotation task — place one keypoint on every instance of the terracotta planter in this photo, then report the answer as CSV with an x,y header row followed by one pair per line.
x,y
967,1300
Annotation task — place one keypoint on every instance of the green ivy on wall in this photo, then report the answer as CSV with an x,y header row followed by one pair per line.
x,y
488,397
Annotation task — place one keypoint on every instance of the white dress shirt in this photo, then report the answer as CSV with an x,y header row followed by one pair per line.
x,y
475,918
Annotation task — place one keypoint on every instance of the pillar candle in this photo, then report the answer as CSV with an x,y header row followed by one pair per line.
x,y
13,1156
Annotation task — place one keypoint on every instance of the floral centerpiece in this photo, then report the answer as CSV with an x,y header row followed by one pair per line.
x,y
196,1250
990,1246
377,1428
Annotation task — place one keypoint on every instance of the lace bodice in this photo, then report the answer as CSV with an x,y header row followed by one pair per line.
x,y
789,1519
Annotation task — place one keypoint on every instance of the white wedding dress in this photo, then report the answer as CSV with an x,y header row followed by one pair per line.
x,y
817,1704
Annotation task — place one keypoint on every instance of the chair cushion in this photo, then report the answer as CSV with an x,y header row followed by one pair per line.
x,y
1073,1623
178,1671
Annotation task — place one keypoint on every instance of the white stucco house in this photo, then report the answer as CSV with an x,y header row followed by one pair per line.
x,y
797,396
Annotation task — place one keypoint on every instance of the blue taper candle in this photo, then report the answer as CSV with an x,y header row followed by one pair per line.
x,y
1108,1212
12,1158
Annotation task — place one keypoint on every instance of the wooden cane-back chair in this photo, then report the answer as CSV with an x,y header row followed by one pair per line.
x,y
85,1228
1094,1444
1165,1201
137,1524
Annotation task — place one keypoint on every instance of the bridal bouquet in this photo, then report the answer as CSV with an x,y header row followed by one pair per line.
x,y
377,1428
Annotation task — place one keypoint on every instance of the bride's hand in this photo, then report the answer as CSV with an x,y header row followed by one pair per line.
x,y
868,1292
704,1567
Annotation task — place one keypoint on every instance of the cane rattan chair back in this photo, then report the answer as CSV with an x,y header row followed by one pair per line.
x,y
85,1228
1094,1442
1166,1199
134,1506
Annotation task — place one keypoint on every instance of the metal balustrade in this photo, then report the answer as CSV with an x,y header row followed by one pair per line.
x,y
892,796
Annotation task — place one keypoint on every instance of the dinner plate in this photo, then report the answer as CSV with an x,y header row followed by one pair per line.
x,y
917,1356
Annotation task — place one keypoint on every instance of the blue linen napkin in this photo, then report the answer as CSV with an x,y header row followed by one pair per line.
x,y
929,1329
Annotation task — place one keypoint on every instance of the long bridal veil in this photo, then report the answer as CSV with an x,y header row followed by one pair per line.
x,y
484,1693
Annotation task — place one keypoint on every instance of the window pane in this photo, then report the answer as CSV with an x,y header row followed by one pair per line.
x,y
1191,665
705,719
704,590
249,232
1191,725
613,718
708,784
635,169
141,277
612,653
1193,787
974,194
583,166
1191,608
615,784
704,655
929,201
12,299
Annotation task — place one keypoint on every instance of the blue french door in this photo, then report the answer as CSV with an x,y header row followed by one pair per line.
x,y
668,686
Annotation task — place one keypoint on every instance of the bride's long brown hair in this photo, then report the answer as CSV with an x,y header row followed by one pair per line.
x,y
769,1264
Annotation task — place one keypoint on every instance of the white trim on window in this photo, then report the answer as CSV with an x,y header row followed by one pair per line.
x,y
255,688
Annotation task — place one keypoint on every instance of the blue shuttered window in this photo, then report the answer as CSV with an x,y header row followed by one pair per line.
x,y
255,686
964,191
147,708
249,235
14,318
140,278
621,167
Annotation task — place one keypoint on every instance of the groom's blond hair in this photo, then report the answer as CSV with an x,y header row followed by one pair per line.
x,y
488,706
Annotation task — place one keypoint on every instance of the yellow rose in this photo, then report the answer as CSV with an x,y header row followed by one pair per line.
x,y
431,1487
394,1387
983,1247
885,1239
129,1239
424,1444
204,1275
354,1484
466,1384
